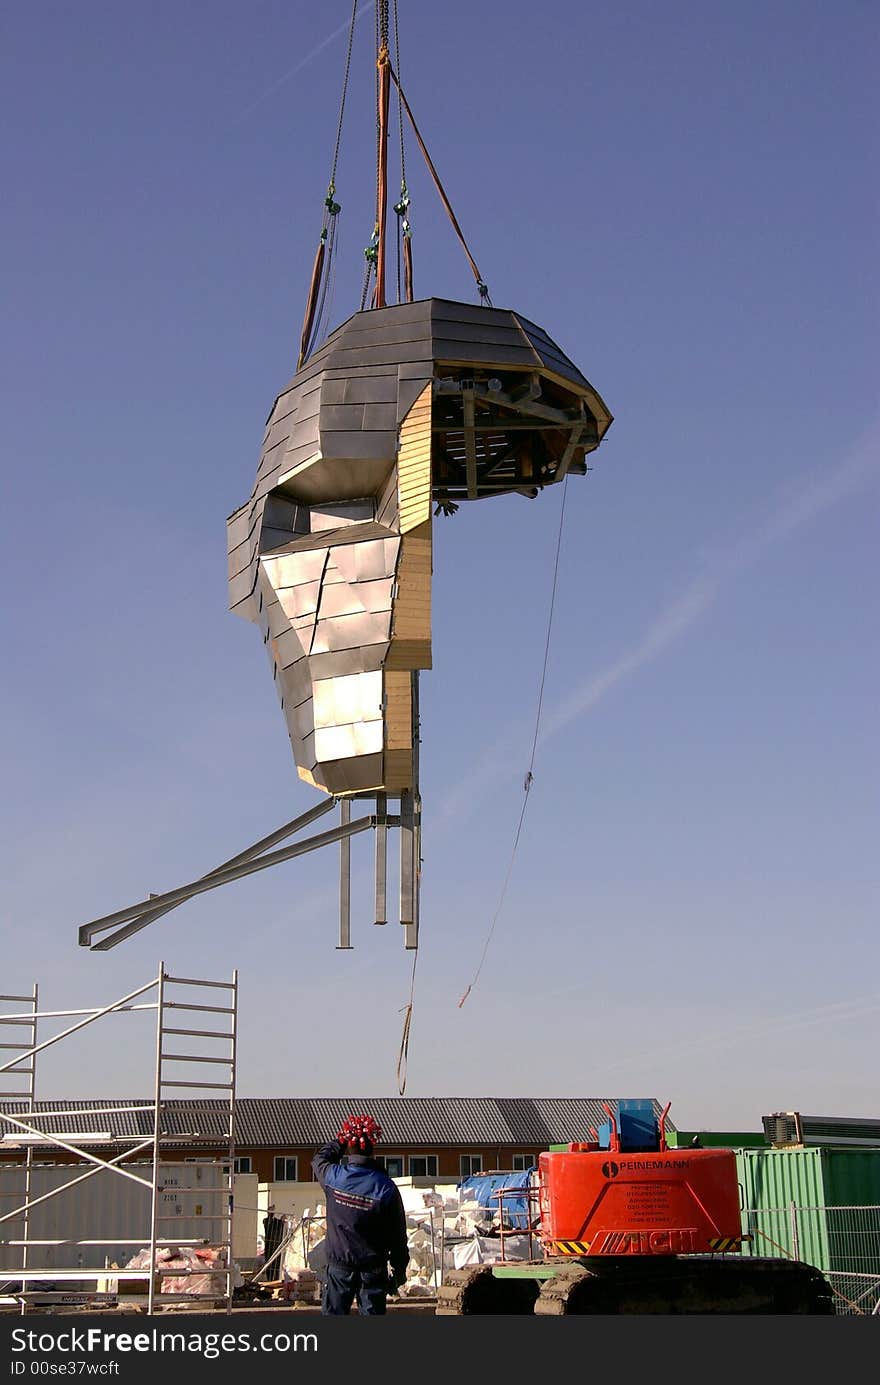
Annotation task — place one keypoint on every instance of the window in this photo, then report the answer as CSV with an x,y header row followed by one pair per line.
x,y
523,1161
285,1168
391,1163
242,1164
423,1165
471,1163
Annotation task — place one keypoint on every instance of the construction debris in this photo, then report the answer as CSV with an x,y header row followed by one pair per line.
x,y
187,1269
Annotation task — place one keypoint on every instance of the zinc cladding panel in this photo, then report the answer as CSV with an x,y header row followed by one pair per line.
x,y
342,417
386,508
553,356
238,527
506,335
362,372
349,355
416,316
359,446
501,354
380,416
300,423
371,388
451,310
364,336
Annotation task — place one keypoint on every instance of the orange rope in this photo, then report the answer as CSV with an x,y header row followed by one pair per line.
x,y
439,186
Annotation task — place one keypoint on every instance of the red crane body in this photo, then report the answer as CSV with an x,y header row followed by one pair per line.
x,y
672,1202
628,1225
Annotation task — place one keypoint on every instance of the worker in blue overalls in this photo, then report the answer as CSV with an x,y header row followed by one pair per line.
x,y
366,1223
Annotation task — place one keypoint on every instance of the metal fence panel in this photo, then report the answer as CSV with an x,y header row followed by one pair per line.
x,y
842,1242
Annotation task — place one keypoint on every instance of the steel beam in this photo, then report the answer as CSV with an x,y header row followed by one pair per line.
x,y
381,915
221,877
344,879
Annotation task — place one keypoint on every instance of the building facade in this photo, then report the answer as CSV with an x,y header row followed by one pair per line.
x,y
445,1138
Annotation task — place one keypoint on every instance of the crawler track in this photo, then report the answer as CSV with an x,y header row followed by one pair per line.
x,y
476,1290
667,1284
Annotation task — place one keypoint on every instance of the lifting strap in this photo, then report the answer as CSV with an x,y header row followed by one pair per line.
x,y
331,211
481,286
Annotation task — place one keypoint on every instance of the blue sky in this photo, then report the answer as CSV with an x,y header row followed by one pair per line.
x,y
684,197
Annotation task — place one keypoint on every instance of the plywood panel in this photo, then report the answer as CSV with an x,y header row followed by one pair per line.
x,y
414,464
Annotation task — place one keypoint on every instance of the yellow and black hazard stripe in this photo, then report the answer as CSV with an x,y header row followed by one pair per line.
x,y
726,1243
571,1247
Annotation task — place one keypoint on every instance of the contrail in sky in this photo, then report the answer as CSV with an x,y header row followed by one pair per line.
x,y
837,1013
303,62
820,492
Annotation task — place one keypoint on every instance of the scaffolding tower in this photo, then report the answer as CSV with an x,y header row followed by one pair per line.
x,y
26,1126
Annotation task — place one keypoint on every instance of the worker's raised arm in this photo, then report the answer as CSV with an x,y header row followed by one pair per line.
x,y
326,1158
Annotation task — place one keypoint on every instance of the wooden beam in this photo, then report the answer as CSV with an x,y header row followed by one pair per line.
x,y
504,425
567,457
531,406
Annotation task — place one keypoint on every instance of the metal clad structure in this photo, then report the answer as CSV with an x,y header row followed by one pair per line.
x,y
401,407
785,1128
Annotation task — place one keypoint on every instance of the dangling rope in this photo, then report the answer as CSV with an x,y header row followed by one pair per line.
x,y
529,779
327,238
403,1055
481,286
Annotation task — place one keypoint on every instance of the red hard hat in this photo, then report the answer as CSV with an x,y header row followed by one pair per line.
x,y
359,1130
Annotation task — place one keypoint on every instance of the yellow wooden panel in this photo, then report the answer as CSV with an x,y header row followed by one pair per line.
x,y
398,770
411,621
409,654
414,464
398,711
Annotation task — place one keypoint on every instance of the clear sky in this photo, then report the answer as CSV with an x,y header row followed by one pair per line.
x,y
684,196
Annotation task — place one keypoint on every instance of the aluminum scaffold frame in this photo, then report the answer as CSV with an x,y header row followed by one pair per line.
x,y
24,1128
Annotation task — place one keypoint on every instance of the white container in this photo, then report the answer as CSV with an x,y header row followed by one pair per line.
x,y
109,1211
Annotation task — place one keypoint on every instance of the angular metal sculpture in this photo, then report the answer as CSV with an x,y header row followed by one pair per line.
x,y
403,412
403,408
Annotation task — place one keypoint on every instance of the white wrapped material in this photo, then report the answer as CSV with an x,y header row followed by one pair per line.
x,y
471,1217
486,1250
515,1248
171,1258
306,1249
467,1253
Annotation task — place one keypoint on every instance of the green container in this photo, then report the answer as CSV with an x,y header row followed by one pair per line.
x,y
717,1139
788,1198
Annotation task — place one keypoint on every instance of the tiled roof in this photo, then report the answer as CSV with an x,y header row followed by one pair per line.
x,y
297,1122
